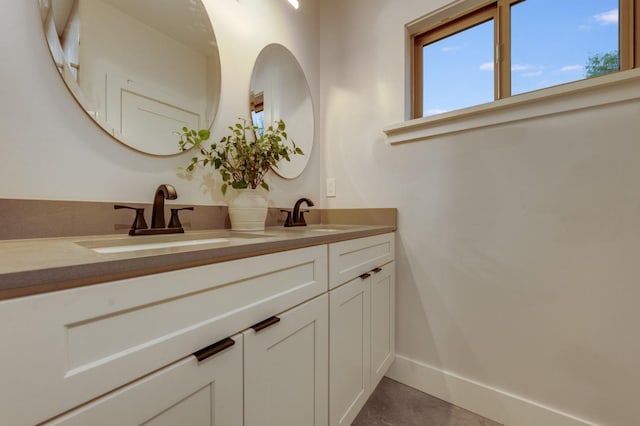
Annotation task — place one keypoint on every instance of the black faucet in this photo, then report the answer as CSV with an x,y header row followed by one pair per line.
x,y
296,218
164,191
139,226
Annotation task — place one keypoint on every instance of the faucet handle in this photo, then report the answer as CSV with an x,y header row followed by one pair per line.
x,y
138,222
287,221
174,222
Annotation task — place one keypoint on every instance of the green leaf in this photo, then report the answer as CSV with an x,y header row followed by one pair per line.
x,y
243,156
204,134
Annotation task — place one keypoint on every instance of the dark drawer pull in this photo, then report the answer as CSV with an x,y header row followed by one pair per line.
x,y
264,324
376,270
213,349
365,276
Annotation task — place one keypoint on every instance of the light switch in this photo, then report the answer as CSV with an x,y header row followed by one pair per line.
x,y
331,187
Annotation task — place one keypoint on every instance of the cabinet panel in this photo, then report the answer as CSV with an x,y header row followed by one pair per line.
x,y
286,369
349,259
382,322
188,392
349,359
194,410
100,337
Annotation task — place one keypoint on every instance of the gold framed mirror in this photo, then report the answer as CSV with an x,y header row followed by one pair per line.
x,y
141,69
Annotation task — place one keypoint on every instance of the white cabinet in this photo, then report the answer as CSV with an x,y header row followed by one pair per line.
x,y
64,348
349,359
286,369
188,392
119,353
383,302
362,323
273,377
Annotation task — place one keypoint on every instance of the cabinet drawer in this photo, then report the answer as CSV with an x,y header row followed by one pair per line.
x,y
64,348
349,259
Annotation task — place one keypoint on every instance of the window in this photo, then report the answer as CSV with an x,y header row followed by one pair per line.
x,y
504,48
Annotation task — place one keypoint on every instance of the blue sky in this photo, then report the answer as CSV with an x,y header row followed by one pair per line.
x,y
551,42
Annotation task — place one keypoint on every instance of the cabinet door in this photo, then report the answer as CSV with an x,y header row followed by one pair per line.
x,y
382,321
286,369
188,392
349,380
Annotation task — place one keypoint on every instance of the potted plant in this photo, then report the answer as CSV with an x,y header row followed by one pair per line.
x,y
243,157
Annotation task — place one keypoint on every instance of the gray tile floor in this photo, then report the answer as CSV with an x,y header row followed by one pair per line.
x,y
395,404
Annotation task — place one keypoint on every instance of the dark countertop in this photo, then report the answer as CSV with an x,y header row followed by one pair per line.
x,y
33,266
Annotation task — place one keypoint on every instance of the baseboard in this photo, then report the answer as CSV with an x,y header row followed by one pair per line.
x,y
495,404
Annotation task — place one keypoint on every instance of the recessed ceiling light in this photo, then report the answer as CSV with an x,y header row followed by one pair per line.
x,y
294,3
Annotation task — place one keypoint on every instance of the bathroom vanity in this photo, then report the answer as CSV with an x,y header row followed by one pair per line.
x,y
284,327
275,328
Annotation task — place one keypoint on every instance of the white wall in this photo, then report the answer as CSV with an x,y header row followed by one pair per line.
x,y
519,245
51,150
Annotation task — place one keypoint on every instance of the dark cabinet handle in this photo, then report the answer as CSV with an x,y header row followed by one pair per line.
x,y
376,270
365,276
211,350
264,324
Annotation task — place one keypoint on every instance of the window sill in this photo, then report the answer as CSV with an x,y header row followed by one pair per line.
x,y
608,89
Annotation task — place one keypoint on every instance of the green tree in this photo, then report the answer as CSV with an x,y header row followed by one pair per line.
x,y
602,63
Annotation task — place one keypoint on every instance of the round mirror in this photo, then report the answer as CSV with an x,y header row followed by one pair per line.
x,y
279,91
141,69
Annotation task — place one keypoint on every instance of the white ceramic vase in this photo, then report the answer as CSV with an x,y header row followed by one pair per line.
x,y
248,210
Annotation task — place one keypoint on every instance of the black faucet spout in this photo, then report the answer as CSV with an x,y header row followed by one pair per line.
x,y
297,217
164,191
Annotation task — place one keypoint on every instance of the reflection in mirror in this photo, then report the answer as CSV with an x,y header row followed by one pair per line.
x,y
142,69
279,90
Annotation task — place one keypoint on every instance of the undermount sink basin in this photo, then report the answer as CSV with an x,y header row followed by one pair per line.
x,y
152,246
320,228
122,244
